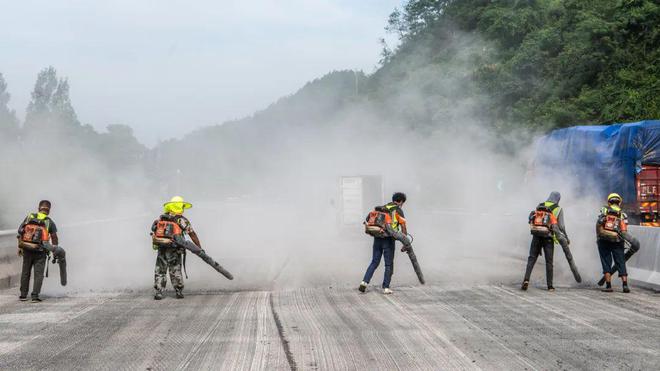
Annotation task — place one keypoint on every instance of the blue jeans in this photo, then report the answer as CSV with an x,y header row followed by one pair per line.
x,y
381,247
609,251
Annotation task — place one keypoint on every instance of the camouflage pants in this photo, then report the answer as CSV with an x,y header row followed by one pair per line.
x,y
168,258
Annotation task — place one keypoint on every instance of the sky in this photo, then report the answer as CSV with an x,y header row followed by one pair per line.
x,y
167,67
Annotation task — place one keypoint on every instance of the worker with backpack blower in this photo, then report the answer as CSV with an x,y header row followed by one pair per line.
x,y
37,237
387,224
170,256
547,227
612,235
168,237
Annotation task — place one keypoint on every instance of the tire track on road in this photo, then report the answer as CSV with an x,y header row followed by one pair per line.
x,y
197,346
280,331
461,361
523,362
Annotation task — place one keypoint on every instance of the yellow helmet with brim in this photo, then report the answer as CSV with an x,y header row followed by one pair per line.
x,y
614,198
176,205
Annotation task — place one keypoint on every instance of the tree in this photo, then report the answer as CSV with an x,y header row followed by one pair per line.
x,y
60,105
544,63
38,110
119,147
8,121
50,114
416,17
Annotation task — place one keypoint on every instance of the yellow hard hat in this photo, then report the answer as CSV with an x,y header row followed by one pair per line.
x,y
176,205
614,196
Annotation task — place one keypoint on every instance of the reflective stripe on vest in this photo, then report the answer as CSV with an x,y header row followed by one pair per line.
x,y
38,216
556,209
392,209
605,209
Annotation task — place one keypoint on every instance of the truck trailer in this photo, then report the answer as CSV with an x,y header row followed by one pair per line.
x,y
621,158
358,195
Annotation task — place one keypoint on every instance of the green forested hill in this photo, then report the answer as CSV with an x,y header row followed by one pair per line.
x,y
461,68
535,63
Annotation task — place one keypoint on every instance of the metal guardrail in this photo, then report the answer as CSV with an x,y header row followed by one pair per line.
x,y
10,268
7,238
8,253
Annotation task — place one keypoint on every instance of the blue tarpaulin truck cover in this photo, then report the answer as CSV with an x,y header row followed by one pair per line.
x,y
604,158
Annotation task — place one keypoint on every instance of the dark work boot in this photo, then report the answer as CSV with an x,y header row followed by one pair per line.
x,y
158,295
179,293
22,298
524,286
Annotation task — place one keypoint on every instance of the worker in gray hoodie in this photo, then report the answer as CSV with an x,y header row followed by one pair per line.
x,y
561,237
545,243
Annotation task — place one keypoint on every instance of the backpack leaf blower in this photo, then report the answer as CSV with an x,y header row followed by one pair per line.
x,y
59,257
190,246
407,247
563,242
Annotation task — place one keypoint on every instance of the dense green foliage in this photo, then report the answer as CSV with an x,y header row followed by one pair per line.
x,y
539,63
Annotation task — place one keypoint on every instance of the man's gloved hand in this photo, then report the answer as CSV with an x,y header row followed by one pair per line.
x,y
19,252
568,240
405,248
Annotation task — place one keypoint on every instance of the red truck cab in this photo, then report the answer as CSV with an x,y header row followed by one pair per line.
x,y
648,195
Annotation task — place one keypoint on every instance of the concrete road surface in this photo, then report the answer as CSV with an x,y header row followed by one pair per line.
x,y
480,327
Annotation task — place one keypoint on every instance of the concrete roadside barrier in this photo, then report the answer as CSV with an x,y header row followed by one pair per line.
x,y
10,268
644,266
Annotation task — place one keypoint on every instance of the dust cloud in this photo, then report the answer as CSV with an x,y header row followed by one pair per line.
x,y
266,194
